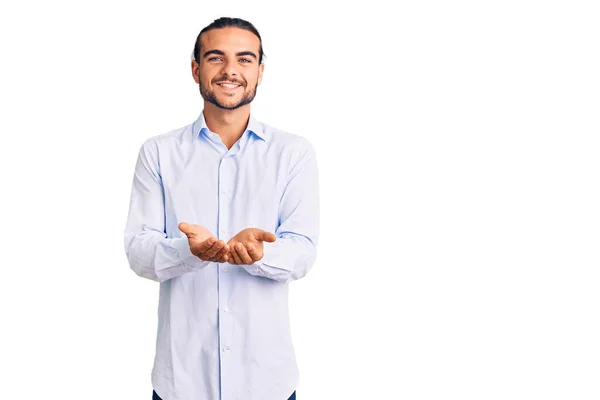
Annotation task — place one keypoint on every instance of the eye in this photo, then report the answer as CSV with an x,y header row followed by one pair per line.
x,y
245,60
214,58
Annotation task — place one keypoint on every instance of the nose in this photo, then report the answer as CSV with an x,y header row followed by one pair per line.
x,y
230,68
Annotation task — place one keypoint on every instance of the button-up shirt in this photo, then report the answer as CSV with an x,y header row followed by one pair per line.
x,y
223,330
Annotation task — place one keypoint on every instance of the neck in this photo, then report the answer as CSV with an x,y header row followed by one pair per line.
x,y
230,125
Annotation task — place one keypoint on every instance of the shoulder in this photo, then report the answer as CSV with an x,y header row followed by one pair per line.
x,y
293,151
284,140
170,138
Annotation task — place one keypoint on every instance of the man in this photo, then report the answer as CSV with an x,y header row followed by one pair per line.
x,y
224,213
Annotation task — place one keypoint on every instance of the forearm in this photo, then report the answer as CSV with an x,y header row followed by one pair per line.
x,y
289,258
153,256
294,251
150,253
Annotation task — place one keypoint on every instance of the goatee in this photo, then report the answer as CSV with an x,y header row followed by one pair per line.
x,y
211,97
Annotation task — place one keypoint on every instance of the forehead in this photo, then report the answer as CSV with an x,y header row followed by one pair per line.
x,y
229,39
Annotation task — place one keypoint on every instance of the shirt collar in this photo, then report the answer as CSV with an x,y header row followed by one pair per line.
x,y
253,126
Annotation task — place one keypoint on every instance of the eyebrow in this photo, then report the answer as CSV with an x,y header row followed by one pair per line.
x,y
221,53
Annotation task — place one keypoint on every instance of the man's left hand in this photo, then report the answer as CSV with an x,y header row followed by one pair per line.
x,y
247,246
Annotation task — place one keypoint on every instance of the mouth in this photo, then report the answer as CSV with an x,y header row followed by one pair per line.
x,y
228,85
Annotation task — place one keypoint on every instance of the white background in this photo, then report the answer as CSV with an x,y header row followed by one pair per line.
x,y
459,161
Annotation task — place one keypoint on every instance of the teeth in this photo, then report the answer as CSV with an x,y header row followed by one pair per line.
x,y
228,85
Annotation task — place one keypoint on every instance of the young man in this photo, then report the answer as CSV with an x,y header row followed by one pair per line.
x,y
224,213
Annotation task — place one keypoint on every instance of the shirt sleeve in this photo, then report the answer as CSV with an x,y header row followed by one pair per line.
x,y
151,254
294,251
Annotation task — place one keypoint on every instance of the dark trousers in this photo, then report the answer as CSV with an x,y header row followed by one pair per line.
x,y
155,396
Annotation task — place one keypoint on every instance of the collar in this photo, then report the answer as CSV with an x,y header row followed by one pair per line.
x,y
253,126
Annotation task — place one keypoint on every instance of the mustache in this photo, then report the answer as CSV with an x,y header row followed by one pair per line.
x,y
237,82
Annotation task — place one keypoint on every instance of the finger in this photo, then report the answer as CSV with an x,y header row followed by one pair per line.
x,y
215,248
254,252
220,255
225,258
230,259
236,256
267,237
207,244
243,253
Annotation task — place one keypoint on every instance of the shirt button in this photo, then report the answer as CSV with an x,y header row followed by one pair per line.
x,y
225,349
225,269
226,309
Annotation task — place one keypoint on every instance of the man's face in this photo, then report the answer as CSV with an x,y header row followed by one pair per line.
x,y
228,73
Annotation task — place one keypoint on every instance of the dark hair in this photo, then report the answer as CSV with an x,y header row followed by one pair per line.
x,y
226,22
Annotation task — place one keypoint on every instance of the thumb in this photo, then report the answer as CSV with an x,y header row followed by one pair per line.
x,y
185,228
267,237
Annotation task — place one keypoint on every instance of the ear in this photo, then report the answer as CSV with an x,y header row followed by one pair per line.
x,y
196,71
261,69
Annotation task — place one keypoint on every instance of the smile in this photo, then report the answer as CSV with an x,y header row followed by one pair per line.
x,y
229,85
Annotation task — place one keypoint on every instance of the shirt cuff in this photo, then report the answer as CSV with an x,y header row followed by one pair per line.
x,y
272,265
274,257
185,254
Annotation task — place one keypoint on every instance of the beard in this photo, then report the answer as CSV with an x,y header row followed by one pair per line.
x,y
211,97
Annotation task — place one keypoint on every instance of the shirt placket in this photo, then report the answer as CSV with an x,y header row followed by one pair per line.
x,y
226,182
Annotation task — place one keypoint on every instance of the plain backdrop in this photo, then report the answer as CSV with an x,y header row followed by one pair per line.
x,y
459,164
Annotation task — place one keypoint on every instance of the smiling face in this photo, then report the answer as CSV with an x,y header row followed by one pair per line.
x,y
228,73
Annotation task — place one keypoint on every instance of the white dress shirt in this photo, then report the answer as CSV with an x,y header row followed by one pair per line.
x,y
223,330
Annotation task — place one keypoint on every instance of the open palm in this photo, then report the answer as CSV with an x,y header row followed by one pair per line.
x,y
246,247
203,244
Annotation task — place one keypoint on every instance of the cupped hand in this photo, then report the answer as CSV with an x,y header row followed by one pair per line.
x,y
203,244
247,246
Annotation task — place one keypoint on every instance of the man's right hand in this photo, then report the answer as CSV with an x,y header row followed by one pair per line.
x,y
204,244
